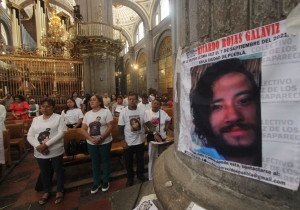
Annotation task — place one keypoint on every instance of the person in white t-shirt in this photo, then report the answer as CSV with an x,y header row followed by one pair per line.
x,y
2,127
131,126
144,104
72,115
117,107
160,120
46,136
78,100
106,100
96,127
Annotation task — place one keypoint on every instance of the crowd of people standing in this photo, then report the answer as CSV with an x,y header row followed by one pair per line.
x,y
137,117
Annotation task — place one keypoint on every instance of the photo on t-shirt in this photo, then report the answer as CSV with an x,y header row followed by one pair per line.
x,y
95,127
155,121
135,123
44,136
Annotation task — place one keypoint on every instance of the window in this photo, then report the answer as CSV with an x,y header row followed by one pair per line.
x,y
3,34
126,47
156,19
162,11
3,3
140,32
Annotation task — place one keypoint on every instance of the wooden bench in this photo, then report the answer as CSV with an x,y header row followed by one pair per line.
x,y
6,141
17,136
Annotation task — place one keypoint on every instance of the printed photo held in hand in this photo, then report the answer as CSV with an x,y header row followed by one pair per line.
x,y
225,105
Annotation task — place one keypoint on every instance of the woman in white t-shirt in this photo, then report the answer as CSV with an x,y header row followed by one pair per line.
x,y
72,115
46,136
97,125
160,120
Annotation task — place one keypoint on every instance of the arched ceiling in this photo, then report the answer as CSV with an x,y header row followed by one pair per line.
x,y
126,13
66,5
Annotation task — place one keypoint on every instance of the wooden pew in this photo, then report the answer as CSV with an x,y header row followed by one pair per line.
x,y
17,136
6,141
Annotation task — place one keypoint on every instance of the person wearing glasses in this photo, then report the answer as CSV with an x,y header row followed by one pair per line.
x,y
46,136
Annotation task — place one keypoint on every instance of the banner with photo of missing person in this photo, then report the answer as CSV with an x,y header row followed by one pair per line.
x,y
240,104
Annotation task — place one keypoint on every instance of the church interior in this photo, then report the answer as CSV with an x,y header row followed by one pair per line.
x,y
92,54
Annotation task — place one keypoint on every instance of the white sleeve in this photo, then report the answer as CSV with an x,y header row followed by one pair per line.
x,y
166,116
85,118
2,113
31,134
80,114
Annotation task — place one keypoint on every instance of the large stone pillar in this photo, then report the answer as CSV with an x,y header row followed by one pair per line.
x,y
198,21
41,24
16,29
150,67
99,65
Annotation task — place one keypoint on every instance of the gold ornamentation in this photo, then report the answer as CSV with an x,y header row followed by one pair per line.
x,y
57,40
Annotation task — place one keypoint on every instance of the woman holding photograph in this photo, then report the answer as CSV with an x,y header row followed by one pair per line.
x,y
96,127
46,136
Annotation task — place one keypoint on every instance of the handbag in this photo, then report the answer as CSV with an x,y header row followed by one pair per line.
x,y
82,147
71,148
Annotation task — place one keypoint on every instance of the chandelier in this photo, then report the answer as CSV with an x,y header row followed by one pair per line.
x,y
57,40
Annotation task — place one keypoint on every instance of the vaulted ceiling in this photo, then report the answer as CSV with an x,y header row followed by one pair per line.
x,y
127,14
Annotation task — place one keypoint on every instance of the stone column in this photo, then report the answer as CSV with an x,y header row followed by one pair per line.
x,y
197,21
16,29
1,39
101,65
150,67
40,24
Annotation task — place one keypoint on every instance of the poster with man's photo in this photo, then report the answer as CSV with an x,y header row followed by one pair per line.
x,y
240,98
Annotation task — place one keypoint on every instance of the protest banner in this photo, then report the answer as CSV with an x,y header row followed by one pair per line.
x,y
239,104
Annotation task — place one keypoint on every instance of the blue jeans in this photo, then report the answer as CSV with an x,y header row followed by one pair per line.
x,y
45,166
100,153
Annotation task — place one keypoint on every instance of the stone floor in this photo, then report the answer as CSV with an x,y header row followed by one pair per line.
x,y
17,191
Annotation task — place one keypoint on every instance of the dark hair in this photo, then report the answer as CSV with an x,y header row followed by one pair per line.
x,y
157,99
202,95
145,96
19,97
120,96
100,99
133,94
73,93
67,108
50,101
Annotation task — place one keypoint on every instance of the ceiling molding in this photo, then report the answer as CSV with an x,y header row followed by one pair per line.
x,y
138,9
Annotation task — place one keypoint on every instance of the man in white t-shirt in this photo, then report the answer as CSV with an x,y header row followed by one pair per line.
x,y
144,104
131,125
160,120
